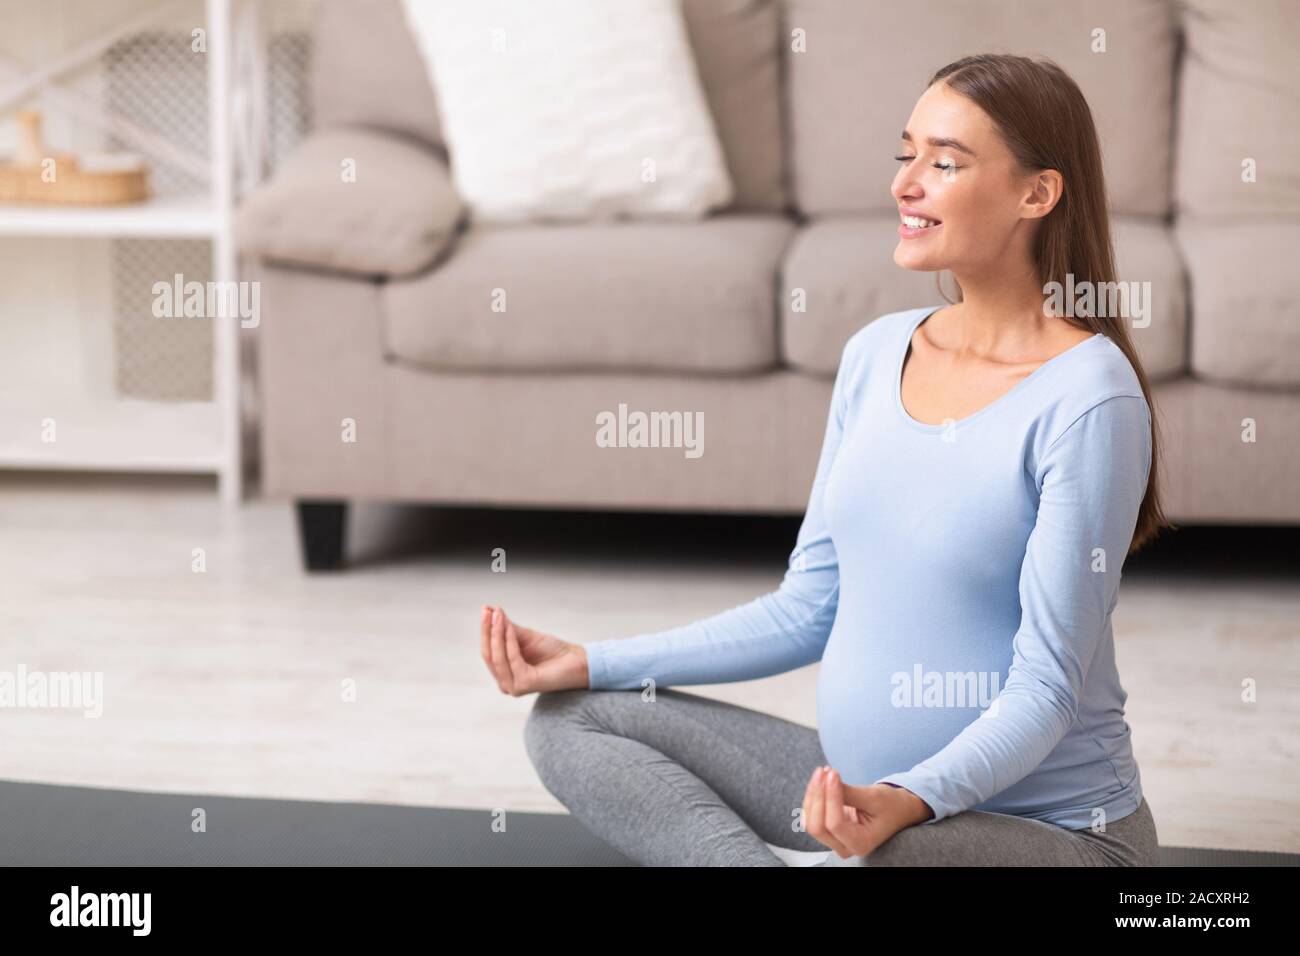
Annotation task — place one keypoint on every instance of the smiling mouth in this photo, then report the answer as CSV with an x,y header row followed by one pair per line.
x,y
917,222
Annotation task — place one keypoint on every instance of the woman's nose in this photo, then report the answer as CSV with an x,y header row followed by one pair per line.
x,y
906,188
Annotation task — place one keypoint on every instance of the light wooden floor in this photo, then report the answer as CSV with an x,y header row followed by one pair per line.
x,y
229,681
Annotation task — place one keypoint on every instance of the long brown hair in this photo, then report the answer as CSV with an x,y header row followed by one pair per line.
x,y
1045,121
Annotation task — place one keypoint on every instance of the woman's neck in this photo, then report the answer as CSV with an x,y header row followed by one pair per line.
x,y
999,313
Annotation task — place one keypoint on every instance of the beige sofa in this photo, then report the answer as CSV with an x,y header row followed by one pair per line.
x,y
378,293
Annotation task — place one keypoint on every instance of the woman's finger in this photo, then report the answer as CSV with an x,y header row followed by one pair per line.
x,y
500,666
518,666
807,799
485,634
814,818
846,830
827,814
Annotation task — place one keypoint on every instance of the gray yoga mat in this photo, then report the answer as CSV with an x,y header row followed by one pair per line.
x,y
47,825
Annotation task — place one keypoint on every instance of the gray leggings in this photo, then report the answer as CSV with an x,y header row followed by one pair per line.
x,y
689,781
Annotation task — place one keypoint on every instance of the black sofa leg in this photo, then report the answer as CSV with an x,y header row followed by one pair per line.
x,y
320,529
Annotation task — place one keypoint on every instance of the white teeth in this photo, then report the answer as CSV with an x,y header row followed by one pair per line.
x,y
916,222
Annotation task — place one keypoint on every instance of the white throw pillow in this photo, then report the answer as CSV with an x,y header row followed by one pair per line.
x,y
571,109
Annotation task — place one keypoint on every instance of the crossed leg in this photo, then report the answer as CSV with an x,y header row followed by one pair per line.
x,y
685,780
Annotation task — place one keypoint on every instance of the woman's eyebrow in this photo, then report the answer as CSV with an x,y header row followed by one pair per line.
x,y
942,142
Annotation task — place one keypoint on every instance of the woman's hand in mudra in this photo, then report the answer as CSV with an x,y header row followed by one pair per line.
x,y
524,661
854,820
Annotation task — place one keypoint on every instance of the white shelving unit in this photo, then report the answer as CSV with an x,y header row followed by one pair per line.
x,y
124,435
132,434
167,217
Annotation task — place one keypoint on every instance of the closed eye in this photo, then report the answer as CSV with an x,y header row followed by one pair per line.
x,y
942,166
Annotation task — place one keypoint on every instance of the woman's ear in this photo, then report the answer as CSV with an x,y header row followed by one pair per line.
x,y
1045,190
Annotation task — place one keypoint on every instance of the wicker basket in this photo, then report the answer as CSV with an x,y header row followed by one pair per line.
x,y
30,177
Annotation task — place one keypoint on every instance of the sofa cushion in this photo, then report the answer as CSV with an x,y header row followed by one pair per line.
x,y
392,211
866,64
1245,301
1239,98
1147,252
842,272
367,70
635,296
538,137
737,47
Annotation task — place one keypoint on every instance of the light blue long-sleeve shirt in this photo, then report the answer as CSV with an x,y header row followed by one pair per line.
x,y
940,568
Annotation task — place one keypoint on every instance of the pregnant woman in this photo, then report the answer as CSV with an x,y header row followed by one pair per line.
x,y
986,468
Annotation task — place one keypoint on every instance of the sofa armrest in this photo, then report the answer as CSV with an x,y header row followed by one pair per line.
x,y
354,200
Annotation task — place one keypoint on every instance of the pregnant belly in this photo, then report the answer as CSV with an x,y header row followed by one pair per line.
x,y
882,710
